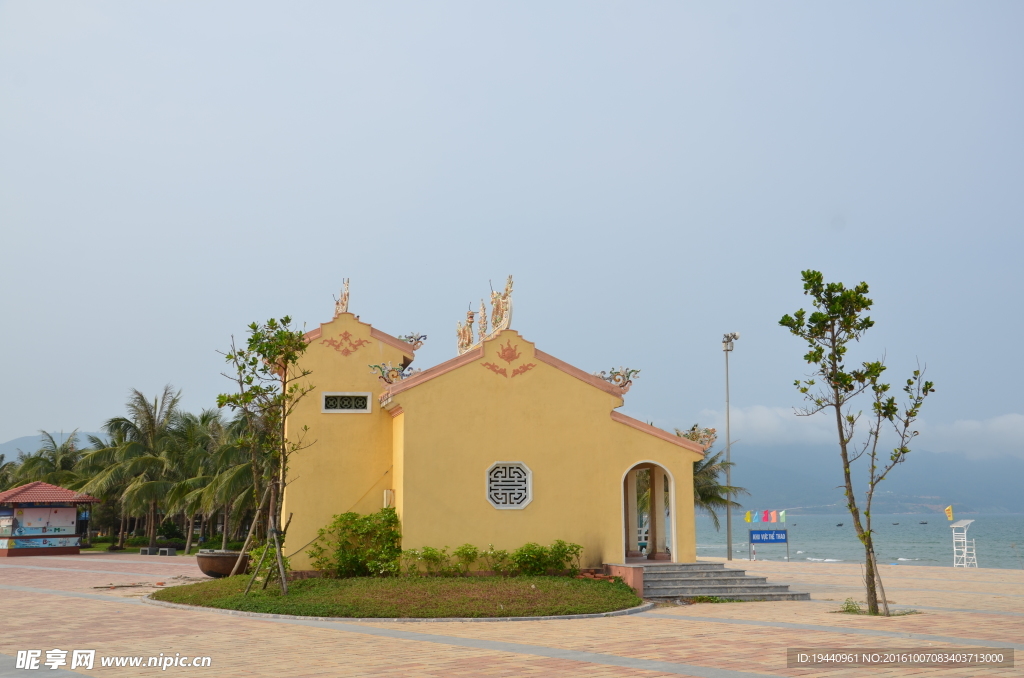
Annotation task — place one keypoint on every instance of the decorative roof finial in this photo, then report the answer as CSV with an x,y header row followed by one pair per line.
x,y
465,333
501,318
341,305
482,328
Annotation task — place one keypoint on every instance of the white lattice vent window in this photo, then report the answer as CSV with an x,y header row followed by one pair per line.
x,y
509,485
335,403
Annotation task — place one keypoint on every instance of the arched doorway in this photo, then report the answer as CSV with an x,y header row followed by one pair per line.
x,y
648,501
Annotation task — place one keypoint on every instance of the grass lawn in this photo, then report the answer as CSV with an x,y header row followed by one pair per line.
x,y
412,596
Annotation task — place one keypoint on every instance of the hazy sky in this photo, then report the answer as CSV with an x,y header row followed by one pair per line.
x,y
653,174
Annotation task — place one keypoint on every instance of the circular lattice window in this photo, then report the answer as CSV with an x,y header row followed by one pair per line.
x,y
509,485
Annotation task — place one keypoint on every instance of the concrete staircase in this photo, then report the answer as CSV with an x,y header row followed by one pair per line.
x,y
689,580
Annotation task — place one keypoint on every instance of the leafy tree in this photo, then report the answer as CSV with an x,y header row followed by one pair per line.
x,y
270,384
97,459
710,494
142,462
8,470
53,463
196,440
839,320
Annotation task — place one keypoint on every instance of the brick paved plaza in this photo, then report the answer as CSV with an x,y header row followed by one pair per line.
x,y
53,602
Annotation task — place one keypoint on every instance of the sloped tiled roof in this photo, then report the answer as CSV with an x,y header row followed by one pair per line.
x,y
40,492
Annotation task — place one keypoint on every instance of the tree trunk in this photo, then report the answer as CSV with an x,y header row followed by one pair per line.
x,y
124,525
851,501
224,532
188,537
273,528
152,524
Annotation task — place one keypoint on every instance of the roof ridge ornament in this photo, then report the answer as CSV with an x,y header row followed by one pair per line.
x,y
341,303
415,339
621,377
501,319
389,374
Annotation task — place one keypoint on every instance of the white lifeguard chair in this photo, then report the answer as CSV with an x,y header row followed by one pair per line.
x,y
963,550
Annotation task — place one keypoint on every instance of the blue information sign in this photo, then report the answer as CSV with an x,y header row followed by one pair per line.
x,y
768,537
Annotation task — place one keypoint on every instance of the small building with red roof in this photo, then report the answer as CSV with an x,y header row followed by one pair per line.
x,y
40,519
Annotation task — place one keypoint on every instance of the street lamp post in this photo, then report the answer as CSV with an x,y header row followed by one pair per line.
x,y
727,349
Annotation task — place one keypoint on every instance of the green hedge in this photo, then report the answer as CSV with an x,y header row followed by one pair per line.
x,y
530,559
370,546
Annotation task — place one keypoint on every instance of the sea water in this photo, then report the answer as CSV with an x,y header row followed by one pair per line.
x,y
998,539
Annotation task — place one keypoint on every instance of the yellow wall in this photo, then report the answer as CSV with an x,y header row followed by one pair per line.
x,y
451,428
458,424
348,465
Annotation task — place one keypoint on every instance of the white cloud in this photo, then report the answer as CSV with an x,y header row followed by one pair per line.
x,y
1001,436
760,425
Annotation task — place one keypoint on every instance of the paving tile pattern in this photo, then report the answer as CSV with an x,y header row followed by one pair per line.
x,y
727,640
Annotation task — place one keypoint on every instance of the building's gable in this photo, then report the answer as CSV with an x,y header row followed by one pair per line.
x,y
347,354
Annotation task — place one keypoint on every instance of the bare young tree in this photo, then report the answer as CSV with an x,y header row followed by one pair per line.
x,y
838,320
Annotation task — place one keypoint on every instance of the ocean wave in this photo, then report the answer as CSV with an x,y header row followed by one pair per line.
x,y
824,560
908,559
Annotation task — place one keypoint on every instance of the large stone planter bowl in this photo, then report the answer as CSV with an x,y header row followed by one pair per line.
x,y
219,563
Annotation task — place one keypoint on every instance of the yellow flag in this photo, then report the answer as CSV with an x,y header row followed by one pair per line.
x,y
747,517
949,512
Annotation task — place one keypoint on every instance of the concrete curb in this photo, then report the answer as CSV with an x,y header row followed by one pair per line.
x,y
266,615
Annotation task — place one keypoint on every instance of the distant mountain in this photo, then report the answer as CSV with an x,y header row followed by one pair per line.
x,y
810,478
30,444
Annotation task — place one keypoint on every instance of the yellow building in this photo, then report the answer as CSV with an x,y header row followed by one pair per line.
x,y
503,444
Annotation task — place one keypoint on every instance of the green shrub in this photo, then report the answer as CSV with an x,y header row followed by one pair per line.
x,y
163,543
359,546
466,555
269,568
103,540
170,530
436,562
496,560
439,563
534,559
565,556
530,559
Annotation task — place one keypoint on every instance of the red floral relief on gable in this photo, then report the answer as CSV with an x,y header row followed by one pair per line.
x,y
523,369
508,352
344,344
494,368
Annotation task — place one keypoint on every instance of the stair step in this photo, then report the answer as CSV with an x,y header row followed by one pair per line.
x,y
705,581
711,574
723,591
750,596
680,567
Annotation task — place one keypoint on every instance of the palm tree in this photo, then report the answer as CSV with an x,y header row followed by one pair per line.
x,y
233,489
710,495
143,463
197,439
8,469
53,463
101,458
